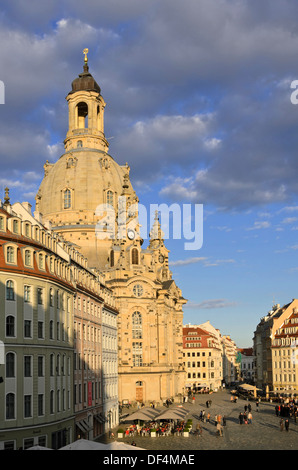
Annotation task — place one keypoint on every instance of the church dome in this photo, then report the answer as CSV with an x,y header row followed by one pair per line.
x,y
81,180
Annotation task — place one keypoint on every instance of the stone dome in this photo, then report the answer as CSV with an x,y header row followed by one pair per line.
x,y
81,180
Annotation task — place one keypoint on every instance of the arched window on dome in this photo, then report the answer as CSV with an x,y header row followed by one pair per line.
x,y
98,117
134,256
110,198
67,199
82,115
112,258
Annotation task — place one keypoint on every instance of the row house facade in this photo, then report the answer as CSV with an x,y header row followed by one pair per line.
x,y
202,356
49,378
247,364
275,349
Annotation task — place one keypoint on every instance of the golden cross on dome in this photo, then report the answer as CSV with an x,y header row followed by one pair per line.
x,y
85,51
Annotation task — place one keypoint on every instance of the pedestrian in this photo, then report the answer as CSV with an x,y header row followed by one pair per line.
x,y
219,429
224,422
208,417
241,418
199,429
249,417
257,406
281,424
287,424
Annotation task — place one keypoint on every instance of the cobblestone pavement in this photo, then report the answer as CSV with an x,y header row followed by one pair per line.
x,y
263,434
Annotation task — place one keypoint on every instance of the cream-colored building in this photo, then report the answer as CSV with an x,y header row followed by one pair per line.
x,y
285,351
89,199
57,319
202,353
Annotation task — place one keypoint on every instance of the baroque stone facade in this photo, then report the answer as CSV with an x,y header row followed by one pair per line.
x,y
71,197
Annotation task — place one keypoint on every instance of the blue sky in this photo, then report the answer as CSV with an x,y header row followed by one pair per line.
x,y
198,97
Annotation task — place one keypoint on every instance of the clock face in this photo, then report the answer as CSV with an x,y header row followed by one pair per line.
x,y
138,290
130,234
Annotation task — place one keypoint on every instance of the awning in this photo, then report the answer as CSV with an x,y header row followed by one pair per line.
x,y
173,413
83,425
144,414
100,418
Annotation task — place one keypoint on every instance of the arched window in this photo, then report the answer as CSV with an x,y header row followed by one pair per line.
x,y
10,406
110,198
67,199
112,258
28,261
10,295
10,365
10,326
1,223
134,256
82,115
136,325
79,144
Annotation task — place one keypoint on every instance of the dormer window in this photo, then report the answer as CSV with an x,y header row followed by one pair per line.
x,y
15,226
10,254
2,224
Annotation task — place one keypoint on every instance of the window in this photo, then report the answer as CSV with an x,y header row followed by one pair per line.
x,y
27,366
134,256
10,406
40,332
41,261
2,223
39,296
110,198
10,365
51,298
27,329
27,406
67,199
10,294
40,405
137,354
15,226
10,254
40,365
82,115
27,230
112,259
136,325
28,258
27,293
10,326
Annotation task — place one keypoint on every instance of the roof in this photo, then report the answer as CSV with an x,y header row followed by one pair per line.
x,y
85,82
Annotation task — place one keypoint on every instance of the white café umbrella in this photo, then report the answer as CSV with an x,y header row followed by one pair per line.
x,y
38,448
84,444
121,446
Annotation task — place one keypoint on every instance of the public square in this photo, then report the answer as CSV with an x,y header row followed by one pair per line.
x,y
262,434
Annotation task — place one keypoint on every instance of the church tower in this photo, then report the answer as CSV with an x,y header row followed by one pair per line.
x,y
79,193
72,196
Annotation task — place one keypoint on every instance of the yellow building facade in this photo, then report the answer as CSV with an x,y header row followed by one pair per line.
x,y
89,200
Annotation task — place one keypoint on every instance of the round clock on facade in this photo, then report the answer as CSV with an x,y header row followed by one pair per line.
x,y
130,234
138,290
